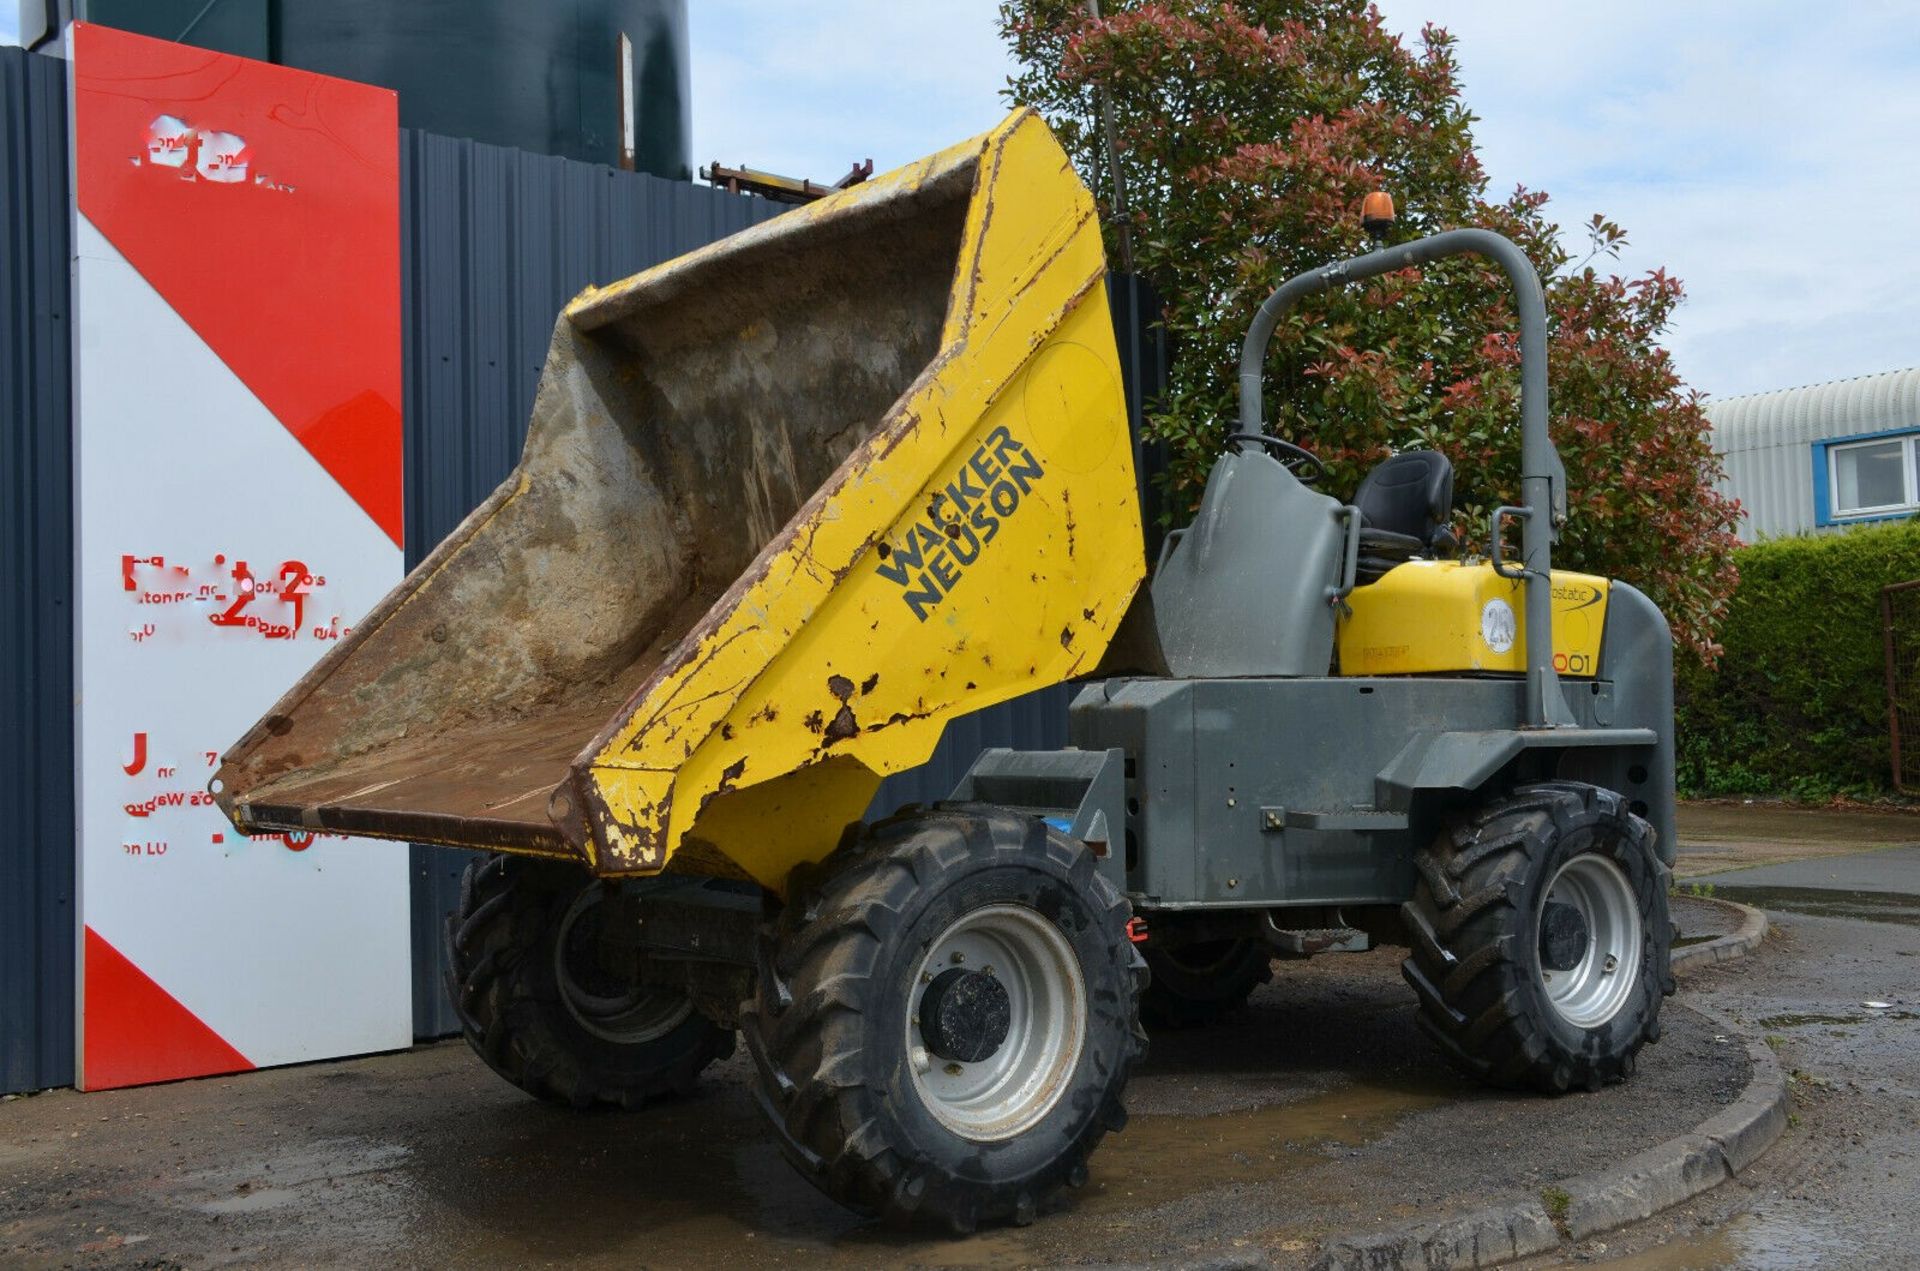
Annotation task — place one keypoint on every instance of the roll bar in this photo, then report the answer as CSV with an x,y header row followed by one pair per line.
x,y
1543,479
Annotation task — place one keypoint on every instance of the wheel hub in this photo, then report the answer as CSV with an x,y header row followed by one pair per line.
x,y
1589,940
965,1015
996,1022
1564,936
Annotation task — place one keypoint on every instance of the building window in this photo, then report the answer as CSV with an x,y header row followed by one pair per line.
x,y
1872,478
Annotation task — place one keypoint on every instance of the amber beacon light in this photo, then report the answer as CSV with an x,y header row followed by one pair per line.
x,y
1376,213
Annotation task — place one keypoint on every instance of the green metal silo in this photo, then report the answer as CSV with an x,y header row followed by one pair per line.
x,y
604,81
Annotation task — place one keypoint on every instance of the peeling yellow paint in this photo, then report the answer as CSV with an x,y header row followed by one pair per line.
x,y
842,659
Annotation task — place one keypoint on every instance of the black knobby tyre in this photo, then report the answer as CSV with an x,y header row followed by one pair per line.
x,y
1486,945
544,1033
1197,984
829,1026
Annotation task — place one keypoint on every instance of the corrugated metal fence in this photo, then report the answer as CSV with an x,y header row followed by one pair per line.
x,y
36,589
493,243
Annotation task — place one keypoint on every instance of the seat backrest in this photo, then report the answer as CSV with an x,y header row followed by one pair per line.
x,y
1244,593
1409,493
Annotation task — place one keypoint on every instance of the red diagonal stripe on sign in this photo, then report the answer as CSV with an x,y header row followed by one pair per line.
x,y
270,222
136,1032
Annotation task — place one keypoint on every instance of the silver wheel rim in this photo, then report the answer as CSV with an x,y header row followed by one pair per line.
x,y
627,1015
1010,1090
1593,990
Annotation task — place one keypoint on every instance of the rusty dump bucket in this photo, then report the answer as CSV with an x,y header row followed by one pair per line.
x,y
787,505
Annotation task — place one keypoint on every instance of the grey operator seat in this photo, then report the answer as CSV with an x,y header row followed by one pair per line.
x,y
1245,590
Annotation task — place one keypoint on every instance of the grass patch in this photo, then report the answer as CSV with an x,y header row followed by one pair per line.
x,y
1556,1201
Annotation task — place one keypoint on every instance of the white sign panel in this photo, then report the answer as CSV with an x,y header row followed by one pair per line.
x,y
238,452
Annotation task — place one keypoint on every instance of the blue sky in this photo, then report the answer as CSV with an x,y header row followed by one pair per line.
x,y
1763,152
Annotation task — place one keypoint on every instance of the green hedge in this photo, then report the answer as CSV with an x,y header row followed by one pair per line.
x,y
1797,705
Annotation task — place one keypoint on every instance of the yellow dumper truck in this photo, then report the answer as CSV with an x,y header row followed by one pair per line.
x,y
790,504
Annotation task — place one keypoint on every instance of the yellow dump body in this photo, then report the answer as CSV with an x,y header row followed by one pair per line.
x,y
788,504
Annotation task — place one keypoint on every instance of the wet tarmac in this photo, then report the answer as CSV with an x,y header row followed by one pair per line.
x,y
1320,1110
1723,835
1835,990
1758,1240
1861,906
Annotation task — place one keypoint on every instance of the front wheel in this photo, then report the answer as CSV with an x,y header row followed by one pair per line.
x,y
553,1000
1540,939
945,1019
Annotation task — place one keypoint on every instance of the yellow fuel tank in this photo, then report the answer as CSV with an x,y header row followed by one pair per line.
x,y
1433,617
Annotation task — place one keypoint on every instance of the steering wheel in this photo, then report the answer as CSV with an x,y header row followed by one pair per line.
x,y
1303,464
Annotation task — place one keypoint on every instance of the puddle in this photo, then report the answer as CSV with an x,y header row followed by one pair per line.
x,y
1802,1021
1161,1157
699,1178
1165,1157
338,1185
254,1201
1750,1242
279,1179
1862,906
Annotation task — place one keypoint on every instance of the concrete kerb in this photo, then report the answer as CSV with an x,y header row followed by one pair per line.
x,y
1635,1189
1744,940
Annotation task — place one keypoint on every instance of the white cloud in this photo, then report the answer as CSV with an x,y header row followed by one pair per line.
x,y
1757,151
807,89
1761,152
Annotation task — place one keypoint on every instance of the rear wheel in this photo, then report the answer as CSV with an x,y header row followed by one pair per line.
x,y
945,1018
1540,939
1196,984
552,1003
